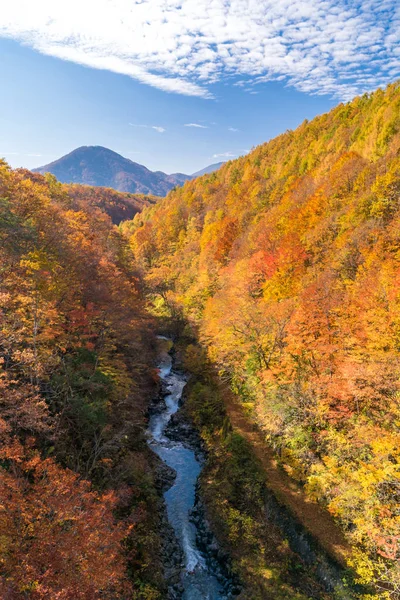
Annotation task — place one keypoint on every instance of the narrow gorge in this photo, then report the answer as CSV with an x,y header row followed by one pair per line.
x,y
201,578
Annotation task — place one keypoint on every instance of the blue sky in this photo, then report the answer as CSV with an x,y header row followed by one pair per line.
x,y
177,85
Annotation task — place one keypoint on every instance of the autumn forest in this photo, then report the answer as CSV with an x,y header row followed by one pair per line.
x,y
277,278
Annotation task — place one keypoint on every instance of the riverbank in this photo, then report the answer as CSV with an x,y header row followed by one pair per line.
x,y
274,553
317,521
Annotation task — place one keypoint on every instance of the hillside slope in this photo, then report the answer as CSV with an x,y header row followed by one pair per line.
x,y
287,263
75,378
120,206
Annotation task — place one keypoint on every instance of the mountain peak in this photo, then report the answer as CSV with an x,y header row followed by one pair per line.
x,y
100,166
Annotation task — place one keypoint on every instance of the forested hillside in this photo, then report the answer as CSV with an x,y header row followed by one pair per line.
x,y
286,263
120,206
76,357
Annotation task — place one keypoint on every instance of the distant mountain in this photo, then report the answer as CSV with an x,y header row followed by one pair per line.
x,y
209,169
98,166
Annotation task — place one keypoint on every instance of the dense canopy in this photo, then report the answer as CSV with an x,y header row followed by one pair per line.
x,y
287,263
75,364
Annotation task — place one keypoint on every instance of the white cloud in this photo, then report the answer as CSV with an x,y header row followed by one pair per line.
x,y
336,47
225,155
232,129
196,125
155,127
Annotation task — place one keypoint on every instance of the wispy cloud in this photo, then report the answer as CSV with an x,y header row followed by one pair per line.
x,y
196,125
155,127
335,47
232,129
225,155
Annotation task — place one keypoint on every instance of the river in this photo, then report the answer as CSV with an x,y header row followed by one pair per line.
x,y
197,580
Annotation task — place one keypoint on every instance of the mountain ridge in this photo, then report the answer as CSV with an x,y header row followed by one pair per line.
x,y
101,167
208,170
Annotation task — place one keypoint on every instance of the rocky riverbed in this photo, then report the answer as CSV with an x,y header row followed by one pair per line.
x,y
195,567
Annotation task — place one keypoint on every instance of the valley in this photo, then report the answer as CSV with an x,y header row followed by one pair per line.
x,y
199,392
